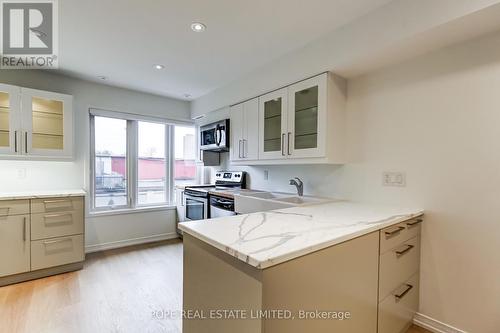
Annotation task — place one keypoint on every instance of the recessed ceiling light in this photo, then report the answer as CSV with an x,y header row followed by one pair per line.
x,y
101,77
187,95
198,27
158,66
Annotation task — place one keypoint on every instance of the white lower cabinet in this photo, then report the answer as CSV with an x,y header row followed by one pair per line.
x,y
14,244
40,237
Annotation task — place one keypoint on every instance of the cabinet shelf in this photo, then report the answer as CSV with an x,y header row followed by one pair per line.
x,y
272,117
306,134
308,108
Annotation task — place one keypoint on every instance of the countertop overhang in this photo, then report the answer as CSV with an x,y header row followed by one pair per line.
x,y
269,238
41,194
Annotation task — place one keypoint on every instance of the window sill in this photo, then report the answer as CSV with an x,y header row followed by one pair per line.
x,y
136,210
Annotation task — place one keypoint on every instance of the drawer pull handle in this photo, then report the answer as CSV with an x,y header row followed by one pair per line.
x,y
57,241
411,224
24,229
7,210
407,290
408,248
394,232
56,201
45,217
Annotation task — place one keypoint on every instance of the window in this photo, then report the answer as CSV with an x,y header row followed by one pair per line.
x,y
110,162
133,161
151,164
185,155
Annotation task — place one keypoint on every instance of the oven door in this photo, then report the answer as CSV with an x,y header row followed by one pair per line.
x,y
196,208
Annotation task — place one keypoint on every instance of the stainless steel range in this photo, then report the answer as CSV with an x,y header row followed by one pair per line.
x,y
197,198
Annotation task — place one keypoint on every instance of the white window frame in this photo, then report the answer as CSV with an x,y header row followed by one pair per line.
x,y
132,159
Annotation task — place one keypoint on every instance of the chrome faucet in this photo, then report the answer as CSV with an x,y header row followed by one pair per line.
x,y
299,185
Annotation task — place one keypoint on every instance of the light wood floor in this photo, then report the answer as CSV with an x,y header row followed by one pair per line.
x,y
117,291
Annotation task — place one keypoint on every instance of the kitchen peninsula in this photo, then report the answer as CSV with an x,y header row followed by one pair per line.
x,y
355,264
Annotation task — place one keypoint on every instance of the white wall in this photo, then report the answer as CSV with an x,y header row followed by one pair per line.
x,y
436,118
42,175
398,30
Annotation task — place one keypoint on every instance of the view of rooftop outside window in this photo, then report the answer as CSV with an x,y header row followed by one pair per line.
x,y
152,164
110,162
185,155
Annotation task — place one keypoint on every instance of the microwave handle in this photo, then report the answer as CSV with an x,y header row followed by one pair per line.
x,y
218,135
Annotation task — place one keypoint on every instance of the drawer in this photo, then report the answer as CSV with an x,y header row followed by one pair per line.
x,y
393,236
56,251
396,312
49,225
51,205
14,207
398,265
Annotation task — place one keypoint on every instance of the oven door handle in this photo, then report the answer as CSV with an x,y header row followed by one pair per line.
x,y
224,202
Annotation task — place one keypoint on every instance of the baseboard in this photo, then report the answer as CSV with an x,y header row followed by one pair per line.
x,y
128,242
434,325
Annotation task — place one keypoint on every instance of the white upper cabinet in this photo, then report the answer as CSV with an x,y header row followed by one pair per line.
x,y
307,118
273,125
10,119
245,131
47,123
303,123
35,124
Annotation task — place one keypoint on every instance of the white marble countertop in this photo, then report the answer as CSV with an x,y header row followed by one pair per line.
x,y
269,238
41,194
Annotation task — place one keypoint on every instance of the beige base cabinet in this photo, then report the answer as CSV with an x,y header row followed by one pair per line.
x,y
374,278
14,239
303,123
40,237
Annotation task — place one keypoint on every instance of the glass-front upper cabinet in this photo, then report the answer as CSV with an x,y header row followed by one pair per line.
x,y
272,124
9,119
47,123
307,117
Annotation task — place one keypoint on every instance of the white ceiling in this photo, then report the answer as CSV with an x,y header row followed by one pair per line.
x,y
121,40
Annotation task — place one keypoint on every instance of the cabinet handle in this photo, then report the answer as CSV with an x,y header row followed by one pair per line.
x,y
70,220
7,210
283,144
409,287
394,232
244,154
408,248
56,201
411,224
15,141
288,143
26,141
239,148
24,229
182,198
57,241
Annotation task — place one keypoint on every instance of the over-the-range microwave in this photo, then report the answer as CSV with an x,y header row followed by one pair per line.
x,y
215,136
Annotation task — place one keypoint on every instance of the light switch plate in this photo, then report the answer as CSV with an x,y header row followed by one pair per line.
x,y
390,178
21,173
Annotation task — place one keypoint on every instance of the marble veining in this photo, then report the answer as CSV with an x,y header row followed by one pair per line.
x,y
268,238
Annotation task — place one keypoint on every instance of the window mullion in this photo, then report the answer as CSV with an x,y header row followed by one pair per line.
x,y
170,161
132,158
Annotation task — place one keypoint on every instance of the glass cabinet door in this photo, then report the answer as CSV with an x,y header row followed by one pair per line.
x,y
273,125
307,117
9,119
48,129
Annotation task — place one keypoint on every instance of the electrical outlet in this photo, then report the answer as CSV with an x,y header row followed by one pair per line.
x,y
21,173
393,179
266,174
